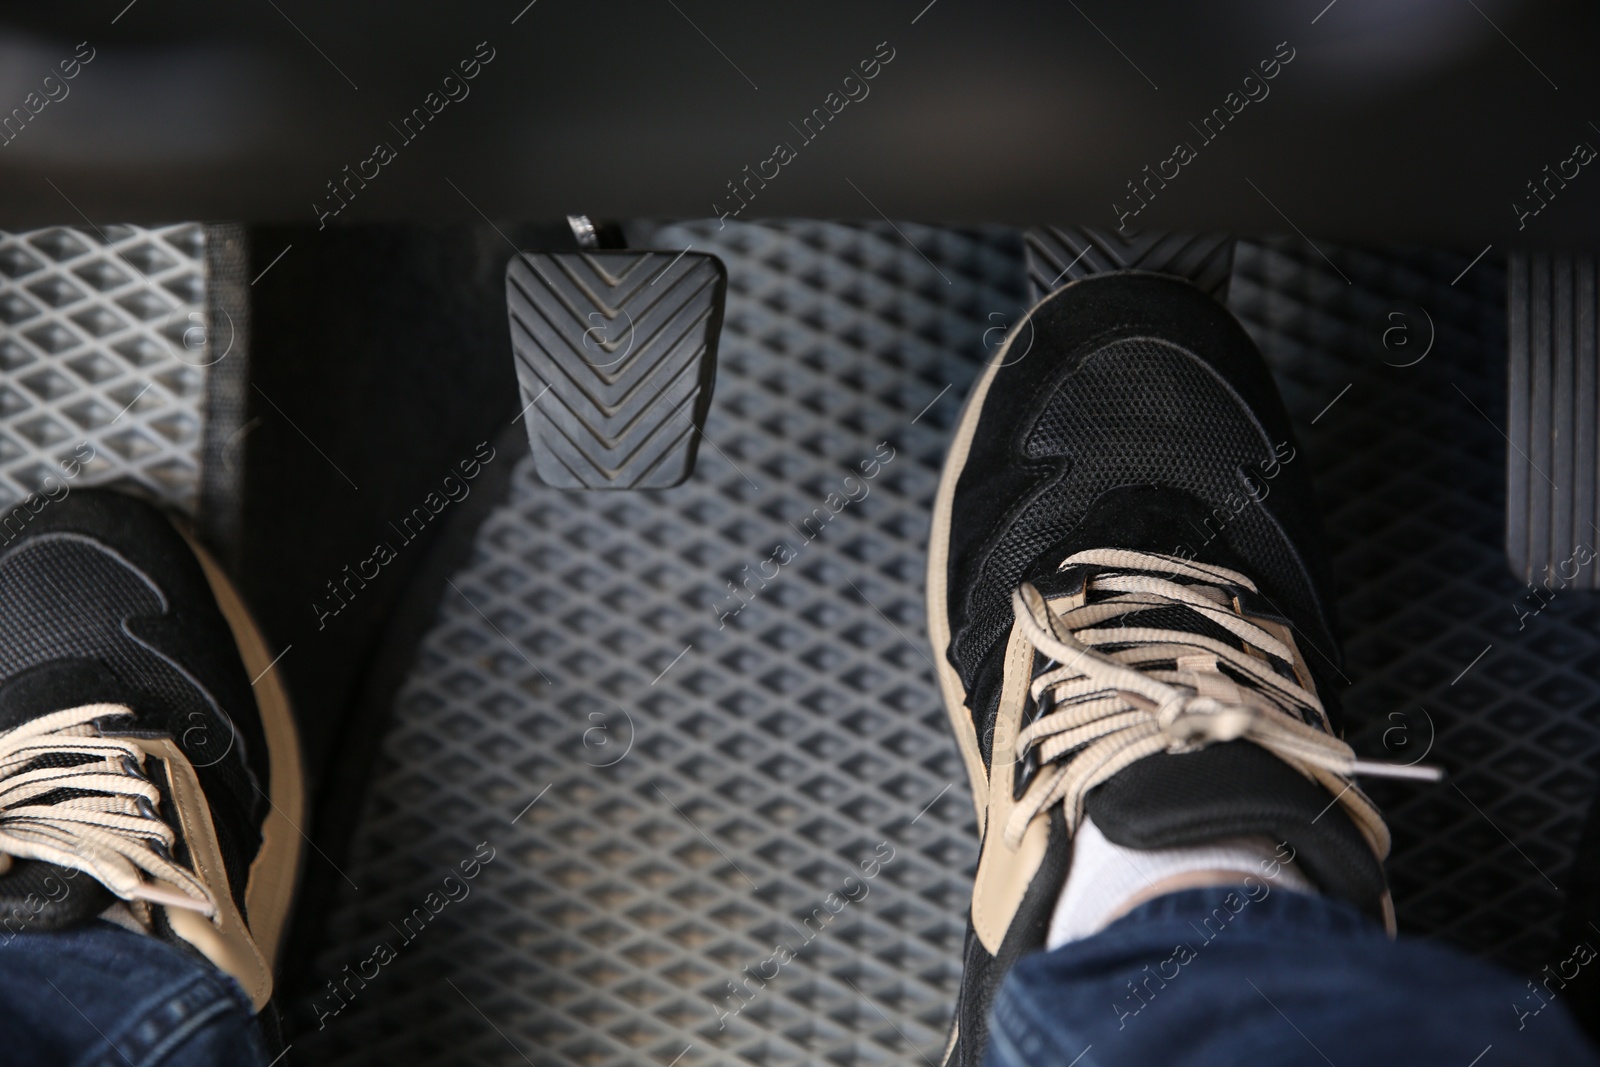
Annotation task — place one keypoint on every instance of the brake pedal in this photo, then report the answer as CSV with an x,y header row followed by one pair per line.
x,y
1061,254
616,358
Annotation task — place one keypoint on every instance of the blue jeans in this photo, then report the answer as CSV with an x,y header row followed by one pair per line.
x,y
103,996
1193,979
1209,977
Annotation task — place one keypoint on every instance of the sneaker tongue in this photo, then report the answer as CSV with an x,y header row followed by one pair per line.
x,y
1238,789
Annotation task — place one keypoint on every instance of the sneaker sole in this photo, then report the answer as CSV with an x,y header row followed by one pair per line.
x,y
274,874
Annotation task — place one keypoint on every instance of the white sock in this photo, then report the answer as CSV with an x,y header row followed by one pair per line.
x,y
134,916
1105,876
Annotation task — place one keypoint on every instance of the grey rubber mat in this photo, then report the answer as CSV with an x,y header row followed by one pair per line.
x,y
103,357
675,779
677,741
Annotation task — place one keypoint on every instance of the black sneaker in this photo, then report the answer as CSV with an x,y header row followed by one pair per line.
x,y
1126,582
149,767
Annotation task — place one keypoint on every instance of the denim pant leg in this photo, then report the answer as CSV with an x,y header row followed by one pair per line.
x,y
101,995
1211,977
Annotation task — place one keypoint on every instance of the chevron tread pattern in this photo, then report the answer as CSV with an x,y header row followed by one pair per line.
x,y
616,356
1060,254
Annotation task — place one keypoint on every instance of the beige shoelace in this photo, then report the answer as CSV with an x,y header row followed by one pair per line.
x,y
1122,694
114,835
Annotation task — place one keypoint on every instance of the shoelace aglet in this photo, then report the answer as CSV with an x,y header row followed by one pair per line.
x,y
171,898
1412,772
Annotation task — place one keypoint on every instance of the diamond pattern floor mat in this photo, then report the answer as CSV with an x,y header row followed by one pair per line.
x,y
103,357
659,791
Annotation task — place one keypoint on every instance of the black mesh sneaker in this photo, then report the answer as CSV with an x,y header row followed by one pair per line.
x,y
1126,584
149,768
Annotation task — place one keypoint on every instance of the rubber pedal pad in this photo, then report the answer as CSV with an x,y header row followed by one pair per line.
x,y
616,355
1057,255
1553,406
